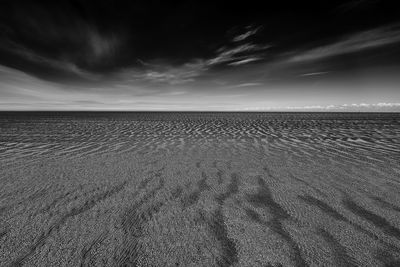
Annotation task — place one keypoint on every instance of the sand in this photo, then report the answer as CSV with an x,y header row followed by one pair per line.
x,y
199,189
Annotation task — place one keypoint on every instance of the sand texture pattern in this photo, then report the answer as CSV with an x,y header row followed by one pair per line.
x,y
199,189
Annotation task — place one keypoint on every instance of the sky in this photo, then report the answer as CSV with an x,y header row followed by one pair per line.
x,y
200,55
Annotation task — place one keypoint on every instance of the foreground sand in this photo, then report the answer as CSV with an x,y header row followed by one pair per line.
x,y
200,190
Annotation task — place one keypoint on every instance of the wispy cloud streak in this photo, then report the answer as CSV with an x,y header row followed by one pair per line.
x,y
188,72
374,38
344,107
247,34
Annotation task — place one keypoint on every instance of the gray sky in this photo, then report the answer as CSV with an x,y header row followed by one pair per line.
x,y
94,55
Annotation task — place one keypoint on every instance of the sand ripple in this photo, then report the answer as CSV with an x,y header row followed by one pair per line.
x,y
199,189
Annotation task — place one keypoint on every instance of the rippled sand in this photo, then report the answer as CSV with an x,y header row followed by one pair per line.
x,y
199,189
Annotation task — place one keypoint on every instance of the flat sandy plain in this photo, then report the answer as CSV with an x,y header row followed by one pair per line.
x,y
199,189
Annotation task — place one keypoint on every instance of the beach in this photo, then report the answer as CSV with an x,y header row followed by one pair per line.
x,y
199,189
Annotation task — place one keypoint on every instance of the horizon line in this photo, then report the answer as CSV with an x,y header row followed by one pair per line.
x,y
198,111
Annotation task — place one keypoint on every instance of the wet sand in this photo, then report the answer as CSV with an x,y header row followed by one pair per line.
x,y
199,189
